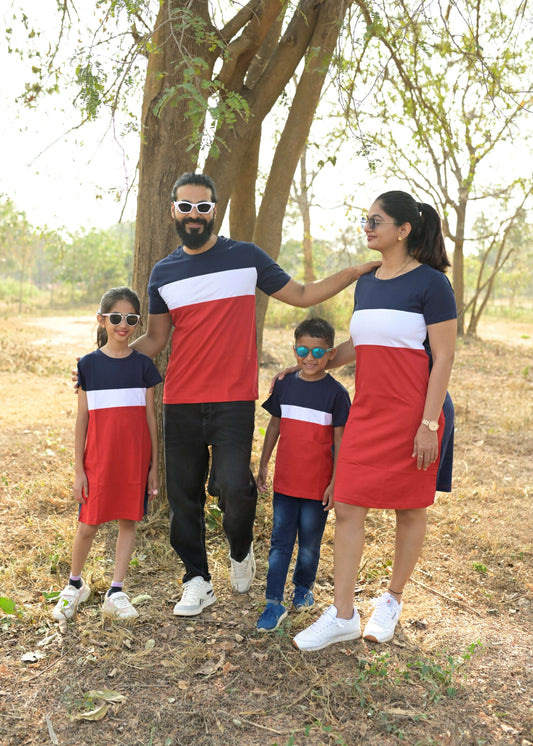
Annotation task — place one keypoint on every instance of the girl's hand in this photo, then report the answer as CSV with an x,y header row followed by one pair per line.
x,y
153,483
281,375
81,488
425,447
74,377
261,480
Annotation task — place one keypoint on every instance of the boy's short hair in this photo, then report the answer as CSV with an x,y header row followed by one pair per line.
x,y
316,327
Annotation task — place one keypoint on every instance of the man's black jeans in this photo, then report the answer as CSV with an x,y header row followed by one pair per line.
x,y
188,431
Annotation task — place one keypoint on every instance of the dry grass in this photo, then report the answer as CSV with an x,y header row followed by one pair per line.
x,y
457,672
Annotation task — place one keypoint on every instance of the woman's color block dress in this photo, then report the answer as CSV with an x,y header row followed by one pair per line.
x,y
118,448
375,467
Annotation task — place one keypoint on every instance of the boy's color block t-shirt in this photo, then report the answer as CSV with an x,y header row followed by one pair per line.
x,y
211,300
309,410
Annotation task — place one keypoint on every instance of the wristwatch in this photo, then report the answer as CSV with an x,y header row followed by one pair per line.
x,y
432,424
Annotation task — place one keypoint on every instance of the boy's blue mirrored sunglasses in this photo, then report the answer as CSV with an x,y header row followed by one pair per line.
x,y
316,352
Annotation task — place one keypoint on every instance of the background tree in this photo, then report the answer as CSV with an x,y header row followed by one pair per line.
x,y
455,89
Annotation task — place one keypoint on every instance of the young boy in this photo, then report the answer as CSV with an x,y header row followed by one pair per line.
x,y
309,409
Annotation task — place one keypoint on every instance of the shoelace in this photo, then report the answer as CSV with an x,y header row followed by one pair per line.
x,y
241,568
191,592
325,620
384,610
121,601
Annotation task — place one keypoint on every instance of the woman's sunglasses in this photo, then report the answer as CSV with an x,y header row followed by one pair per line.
x,y
316,352
131,319
186,207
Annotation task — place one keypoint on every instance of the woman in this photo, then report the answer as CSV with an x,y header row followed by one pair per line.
x,y
397,446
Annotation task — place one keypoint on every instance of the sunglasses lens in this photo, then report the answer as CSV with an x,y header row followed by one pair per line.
x,y
204,207
318,352
132,319
184,207
115,318
301,351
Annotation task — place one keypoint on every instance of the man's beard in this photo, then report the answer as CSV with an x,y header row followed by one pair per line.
x,y
197,237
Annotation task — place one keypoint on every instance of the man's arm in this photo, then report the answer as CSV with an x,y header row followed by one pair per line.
x,y
303,296
157,334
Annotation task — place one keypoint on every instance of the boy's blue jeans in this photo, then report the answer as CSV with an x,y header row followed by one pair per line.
x,y
294,517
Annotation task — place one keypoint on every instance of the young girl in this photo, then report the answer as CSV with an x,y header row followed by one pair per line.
x,y
115,448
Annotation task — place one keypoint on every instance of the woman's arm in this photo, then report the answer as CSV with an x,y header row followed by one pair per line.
x,y
304,296
442,339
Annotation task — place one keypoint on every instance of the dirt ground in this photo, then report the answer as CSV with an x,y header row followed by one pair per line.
x,y
458,671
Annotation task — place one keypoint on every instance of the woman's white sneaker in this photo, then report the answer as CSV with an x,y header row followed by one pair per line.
x,y
381,625
328,629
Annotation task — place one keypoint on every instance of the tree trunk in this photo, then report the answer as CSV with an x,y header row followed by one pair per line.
x,y
268,228
458,268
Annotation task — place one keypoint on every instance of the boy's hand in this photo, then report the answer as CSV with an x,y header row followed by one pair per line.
x,y
153,483
81,488
261,480
74,377
327,500
281,375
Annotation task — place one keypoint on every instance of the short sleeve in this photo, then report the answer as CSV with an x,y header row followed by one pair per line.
x,y
272,404
151,375
341,407
439,300
270,276
156,304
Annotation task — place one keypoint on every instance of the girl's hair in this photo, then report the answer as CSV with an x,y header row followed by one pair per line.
x,y
315,327
425,241
108,301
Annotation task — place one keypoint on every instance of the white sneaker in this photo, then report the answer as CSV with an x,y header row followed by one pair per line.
x,y
118,604
197,595
327,629
243,573
69,599
381,625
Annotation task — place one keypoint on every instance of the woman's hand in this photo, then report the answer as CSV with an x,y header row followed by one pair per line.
x,y
281,375
81,488
425,447
74,377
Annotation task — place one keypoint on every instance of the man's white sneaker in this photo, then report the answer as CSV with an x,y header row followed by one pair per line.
x,y
381,625
118,605
243,573
69,600
327,629
197,595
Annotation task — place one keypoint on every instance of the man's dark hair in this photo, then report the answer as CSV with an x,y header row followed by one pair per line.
x,y
193,178
315,327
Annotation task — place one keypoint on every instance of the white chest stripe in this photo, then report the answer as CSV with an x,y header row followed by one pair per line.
x,y
108,398
232,283
315,416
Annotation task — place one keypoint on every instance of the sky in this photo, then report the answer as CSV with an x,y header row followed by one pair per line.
x,y
60,180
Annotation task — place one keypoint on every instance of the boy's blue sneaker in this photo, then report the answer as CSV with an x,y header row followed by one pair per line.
x,y
303,599
271,617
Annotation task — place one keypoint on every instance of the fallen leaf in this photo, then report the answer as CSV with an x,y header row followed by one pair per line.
x,y
32,657
109,695
98,714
